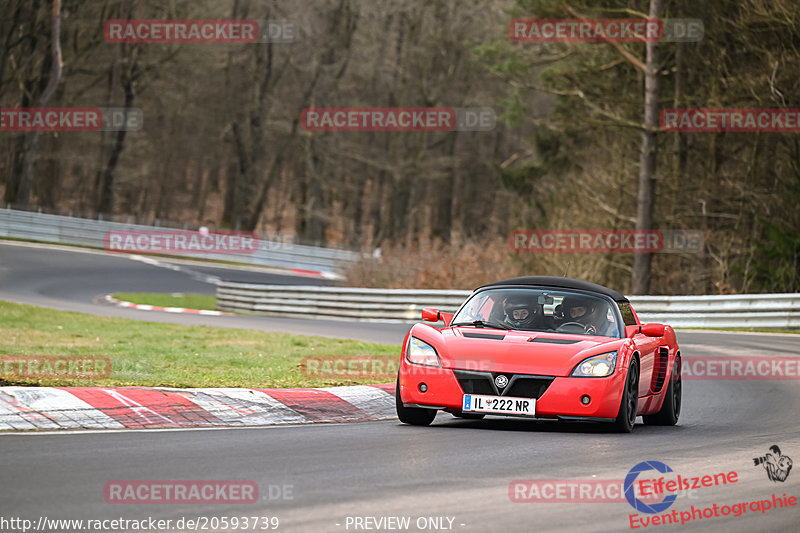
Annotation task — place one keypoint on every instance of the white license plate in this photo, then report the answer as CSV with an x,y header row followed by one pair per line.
x,y
500,405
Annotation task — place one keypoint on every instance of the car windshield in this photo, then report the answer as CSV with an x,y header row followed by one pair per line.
x,y
554,311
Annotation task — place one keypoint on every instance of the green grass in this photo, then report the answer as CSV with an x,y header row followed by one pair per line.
x,y
189,301
154,354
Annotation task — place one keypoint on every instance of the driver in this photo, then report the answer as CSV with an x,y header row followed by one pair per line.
x,y
584,312
520,312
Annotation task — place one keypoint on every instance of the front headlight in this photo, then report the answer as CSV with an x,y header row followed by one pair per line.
x,y
421,353
596,366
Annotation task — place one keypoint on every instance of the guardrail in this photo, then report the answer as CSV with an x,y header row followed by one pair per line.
x,y
398,305
368,305
89,232
721,311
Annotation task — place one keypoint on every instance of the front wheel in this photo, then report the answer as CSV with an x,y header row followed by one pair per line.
x,y
671,408
630,400
415,416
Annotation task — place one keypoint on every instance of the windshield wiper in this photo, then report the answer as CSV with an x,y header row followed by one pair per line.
x,y
482,324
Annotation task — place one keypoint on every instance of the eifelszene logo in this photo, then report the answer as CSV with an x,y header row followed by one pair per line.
x,y
777,466
637,503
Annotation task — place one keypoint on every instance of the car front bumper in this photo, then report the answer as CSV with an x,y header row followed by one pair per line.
x,y
561,399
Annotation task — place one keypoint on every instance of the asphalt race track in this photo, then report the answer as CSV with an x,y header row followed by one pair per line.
x,y
457,469
71,279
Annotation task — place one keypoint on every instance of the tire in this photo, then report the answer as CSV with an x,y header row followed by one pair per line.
x,y
626,418
415,416
671,408
469,416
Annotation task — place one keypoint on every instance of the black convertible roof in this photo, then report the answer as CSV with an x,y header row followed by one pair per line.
x,y
564,283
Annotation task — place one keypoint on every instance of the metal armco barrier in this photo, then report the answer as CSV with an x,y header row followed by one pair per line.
x,y
90,232
398,305
722,311
369,305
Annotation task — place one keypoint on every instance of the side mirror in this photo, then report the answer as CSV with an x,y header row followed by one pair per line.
x,y
630,331
653,330
446,317
429,314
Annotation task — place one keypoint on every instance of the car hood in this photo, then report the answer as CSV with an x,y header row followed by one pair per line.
x,y
518,352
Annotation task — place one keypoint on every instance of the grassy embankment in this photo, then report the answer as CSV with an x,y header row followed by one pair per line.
x,y
170,355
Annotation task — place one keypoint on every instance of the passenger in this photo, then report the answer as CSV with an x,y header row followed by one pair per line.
x,y
520,313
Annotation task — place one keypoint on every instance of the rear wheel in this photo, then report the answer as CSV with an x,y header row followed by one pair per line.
x,y
416,416
630,400
671,408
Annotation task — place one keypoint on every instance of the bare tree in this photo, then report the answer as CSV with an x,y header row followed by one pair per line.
x,y
642,263
24,193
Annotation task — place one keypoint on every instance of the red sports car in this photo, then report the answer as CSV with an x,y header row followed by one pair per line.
x,y
544,347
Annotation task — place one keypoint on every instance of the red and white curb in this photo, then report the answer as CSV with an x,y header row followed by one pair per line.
x,y
175,264
144,307
145,407
315,274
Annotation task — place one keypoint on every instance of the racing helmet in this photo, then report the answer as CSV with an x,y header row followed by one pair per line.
x,y
578,309
520,311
